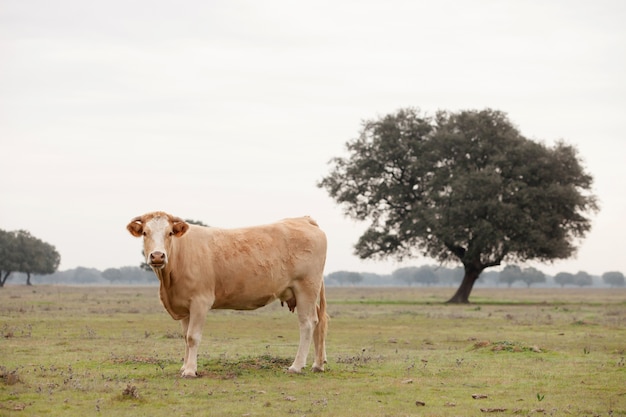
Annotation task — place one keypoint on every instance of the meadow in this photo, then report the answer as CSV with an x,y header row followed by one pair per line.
x,y
114,351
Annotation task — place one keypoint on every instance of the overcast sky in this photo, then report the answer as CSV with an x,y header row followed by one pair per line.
x,y
229,111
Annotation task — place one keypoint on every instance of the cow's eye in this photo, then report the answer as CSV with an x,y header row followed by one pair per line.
x,y
171,233
144,233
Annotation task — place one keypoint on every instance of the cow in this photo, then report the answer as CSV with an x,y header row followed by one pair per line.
x,y
202,268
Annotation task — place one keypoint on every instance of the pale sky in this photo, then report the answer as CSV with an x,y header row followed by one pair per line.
x,y
229,111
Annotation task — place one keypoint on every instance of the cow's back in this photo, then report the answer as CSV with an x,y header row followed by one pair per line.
x,y
247,268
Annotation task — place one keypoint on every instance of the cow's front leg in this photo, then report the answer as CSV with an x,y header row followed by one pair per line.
x,y
197,315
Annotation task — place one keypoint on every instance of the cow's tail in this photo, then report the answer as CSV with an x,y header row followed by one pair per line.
x,y
321,308
322,324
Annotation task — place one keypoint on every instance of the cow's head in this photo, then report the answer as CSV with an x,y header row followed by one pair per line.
x,y
157,229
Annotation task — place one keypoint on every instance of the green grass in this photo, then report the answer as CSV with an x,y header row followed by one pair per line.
x,y
80,351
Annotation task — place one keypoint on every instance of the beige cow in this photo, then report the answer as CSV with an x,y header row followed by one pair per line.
x,y
202,268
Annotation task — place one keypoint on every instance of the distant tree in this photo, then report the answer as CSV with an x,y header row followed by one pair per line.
x,y
449,276
345,277
564,278
112,275
426,276
22,252
371,278
510,274
489,277
196,222
144,265
354,278
407,275
415,275
8,260
41,258
532,276
583,279
335,277
614,279
138,275
461,187
86,275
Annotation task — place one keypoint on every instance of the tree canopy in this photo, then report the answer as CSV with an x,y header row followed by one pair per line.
x,y
22,252
346,277
532,276
416,275
464,186
614,278
564,278
510,274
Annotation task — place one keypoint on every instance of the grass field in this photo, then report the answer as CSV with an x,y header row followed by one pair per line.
x,y
81,351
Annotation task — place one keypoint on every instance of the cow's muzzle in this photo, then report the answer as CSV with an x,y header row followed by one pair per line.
x,y
157,259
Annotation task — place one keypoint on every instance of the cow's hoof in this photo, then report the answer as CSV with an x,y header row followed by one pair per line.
x,y
189,374
316,368
293,370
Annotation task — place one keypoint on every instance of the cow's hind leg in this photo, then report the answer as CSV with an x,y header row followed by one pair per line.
x,y
319,334
307,319
185,327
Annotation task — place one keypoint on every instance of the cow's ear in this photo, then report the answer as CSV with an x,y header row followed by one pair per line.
x,y
135,227
179,227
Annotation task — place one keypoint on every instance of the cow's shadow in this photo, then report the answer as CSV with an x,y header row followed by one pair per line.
x,y
225,369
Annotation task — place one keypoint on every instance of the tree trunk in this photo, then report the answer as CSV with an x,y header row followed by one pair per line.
x,y
4,278
28,279
462,294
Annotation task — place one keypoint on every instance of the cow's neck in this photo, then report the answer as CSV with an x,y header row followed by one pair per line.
x,y
164,277
164,289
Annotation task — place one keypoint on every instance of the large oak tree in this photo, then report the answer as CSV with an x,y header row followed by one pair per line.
x,y
461,186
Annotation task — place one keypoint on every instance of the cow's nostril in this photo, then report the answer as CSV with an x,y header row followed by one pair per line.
x,y
157,256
